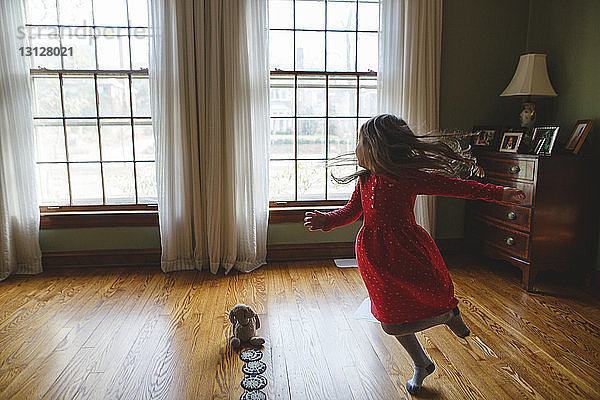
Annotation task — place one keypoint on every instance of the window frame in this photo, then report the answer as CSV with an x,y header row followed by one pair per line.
x,y
62,216
292,209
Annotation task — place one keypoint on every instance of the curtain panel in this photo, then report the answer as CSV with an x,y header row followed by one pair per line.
x,y
19,210
209,79
408,80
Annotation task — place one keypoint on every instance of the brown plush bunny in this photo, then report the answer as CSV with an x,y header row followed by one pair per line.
x,y
245,323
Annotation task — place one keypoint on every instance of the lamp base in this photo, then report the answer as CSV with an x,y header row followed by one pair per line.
x,y
527,117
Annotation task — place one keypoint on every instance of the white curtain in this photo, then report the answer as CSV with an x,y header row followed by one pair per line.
x,y
408,79
209,79
19,210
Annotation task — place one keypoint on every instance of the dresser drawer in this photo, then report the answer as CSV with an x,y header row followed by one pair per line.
x,y
508,240
527,188
509,168
515,216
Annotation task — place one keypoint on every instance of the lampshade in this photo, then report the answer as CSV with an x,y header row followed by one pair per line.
x,y
531,78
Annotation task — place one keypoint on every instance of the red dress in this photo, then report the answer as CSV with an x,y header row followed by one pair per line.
x,y
400,264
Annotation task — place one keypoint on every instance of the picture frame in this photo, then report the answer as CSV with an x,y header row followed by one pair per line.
x,y
487,136
510,141
543,139
578,135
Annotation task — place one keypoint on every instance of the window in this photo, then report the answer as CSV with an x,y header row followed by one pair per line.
x,y
89,70
323,57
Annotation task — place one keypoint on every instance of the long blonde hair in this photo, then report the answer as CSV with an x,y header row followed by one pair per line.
x,y
388,146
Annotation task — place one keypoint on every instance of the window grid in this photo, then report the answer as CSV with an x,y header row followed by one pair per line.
x,y
327,74
134,161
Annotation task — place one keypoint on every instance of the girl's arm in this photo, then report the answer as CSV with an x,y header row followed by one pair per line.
x,y
439,185
343,216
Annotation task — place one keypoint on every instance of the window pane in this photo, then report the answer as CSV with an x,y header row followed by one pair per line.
x,y
282,138
368,16
281,50
341,51
342,96
311,96
41,12
281,180
342,136
53,184
116,140
144,140
119,183
45,45
282,96
367,52
79,97
336,191
75,12
341,15
138,12
140,90
146,182
46,95
310,14
84,52
113,95
50,137
113,52
362,121
139,49
86,183
82,140
310,51
311,180
110,12
281,14
311,137
367,102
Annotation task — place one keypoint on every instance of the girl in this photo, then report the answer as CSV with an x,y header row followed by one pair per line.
x,y
407,280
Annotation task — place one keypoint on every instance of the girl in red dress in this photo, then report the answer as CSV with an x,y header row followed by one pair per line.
x,y
406,278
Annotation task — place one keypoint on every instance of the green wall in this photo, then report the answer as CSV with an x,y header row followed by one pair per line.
x,y
148,237
481,45
569,32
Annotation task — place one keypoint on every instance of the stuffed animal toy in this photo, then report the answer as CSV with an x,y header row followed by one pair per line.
x,y
245,323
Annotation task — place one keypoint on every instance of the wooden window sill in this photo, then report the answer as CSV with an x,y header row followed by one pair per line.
x,y
123,218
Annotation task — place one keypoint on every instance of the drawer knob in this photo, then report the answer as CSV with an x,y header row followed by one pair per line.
x,y
515,169
511,215
510,241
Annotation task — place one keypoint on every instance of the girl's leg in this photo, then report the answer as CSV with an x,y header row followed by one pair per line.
x,y
457,325
423,364
405,333
452,319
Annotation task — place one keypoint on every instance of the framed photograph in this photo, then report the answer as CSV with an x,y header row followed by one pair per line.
x,y
486,136
511,141
543,139
580,132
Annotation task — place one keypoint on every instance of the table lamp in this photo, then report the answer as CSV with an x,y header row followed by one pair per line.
x,y
530,80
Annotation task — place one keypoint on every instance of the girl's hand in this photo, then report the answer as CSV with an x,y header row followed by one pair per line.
x,y
314,220
513,196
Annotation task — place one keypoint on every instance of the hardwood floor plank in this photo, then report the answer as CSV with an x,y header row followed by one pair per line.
x,y
278,386
316,313
82,324
32,346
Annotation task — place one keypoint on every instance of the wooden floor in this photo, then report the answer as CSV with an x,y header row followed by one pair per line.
x,y
134,333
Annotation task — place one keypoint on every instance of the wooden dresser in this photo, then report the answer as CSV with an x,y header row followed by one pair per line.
x,y
556,226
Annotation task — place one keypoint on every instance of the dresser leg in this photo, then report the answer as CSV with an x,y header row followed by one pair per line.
x,y
528,278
